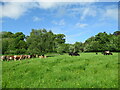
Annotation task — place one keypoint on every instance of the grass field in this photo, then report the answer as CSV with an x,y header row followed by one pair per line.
x,y
62,71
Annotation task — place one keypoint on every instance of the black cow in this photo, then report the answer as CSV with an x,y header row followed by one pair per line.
x,y
96,53
73,54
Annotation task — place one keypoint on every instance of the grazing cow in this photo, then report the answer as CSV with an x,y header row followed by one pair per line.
x,y
10,57
29,56
42,56
25,56
74,54
107,53
22,56
17,57
33,56
3,58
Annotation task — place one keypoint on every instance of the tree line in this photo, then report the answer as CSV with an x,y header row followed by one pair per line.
x,y
42,41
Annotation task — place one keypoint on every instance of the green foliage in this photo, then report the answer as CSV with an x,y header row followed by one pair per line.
x,y
63,48
116,33
43,41
102,42
7,34
62,71
13,43
60,38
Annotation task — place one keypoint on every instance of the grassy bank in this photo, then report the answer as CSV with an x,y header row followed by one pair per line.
x,y
62,71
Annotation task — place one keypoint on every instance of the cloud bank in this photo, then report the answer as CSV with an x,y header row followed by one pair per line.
x,y
15,10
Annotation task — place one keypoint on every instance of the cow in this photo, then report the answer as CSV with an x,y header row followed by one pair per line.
x,y
25,56
17,57
22,56
10,57
107,53
96,53
74,54
42,56
29,56
3,58
33,56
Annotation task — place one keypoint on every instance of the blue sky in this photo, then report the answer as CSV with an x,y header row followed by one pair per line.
x,y
78,21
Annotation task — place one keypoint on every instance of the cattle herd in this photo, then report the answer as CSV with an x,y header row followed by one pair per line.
x,y
20,57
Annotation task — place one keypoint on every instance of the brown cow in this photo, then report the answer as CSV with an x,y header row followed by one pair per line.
x,y
22,56
17,57
10,57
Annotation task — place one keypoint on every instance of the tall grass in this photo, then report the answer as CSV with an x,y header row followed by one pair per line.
x,y
62,71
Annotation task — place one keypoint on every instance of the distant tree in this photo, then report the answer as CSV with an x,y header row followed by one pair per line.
x,y
4,46
92,46
12,43
78,46
60,38
40,41
63,48
7,34
73,48
19,36
116,33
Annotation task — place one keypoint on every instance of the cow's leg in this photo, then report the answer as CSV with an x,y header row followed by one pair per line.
x,y
7,59
14,59
19,59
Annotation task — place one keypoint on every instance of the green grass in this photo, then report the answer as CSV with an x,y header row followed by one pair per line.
x,y
62,71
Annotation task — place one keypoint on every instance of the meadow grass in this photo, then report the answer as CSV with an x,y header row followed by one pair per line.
x,y
62,71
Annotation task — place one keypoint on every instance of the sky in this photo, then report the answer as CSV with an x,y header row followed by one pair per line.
x,y
77,20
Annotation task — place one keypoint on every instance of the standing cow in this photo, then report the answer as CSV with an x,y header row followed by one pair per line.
x,y
10,57
74,54
107,53
17,57
3,58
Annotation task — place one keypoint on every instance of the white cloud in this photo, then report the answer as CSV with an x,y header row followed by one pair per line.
x,y
81,25
61,22
46,5
88,11
14,10
60,0
35,18
112,13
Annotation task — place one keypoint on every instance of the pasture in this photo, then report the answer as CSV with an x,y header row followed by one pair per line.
x,y
62,71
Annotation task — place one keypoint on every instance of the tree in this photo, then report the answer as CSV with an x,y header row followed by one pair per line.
x,y
78,46
40,42
63,48
92,46
13,43
4,46
19,36
7,34
116,33
59,38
